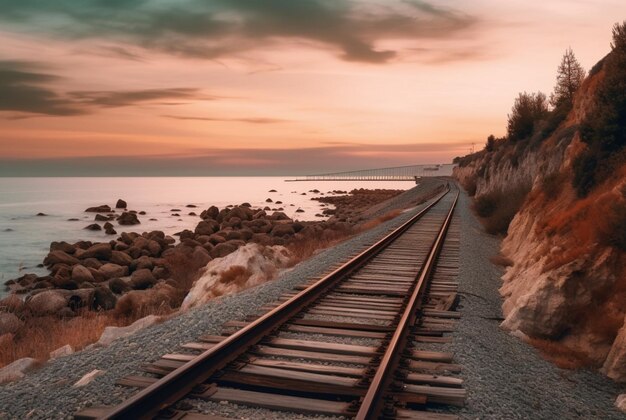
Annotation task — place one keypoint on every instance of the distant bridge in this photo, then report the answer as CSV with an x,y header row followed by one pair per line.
x,y
398,173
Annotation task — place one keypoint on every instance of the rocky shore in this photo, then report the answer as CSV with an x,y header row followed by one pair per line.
x,y
137,274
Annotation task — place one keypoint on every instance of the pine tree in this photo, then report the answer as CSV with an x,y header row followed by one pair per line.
x,y
569,78
528,110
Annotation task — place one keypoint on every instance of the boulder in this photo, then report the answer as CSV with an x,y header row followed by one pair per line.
x,y
242,213
101,251
66,350
110,334
216,239
62,246
93,226
279,215
110,270
121,204
9,323
99,209
201,256
103,299
88,378
48,302
142,279
282,230
128,218
154,248
206,227
121,258
140,263
101,218
269,200
210,213
620,403
248,266
17,369
185,234
233,222
11,304
81,273
91,263
259,215
223,249
60,257
234,234
118,286
615,364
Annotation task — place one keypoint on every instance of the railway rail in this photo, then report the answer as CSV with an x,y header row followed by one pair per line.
x,y
349,344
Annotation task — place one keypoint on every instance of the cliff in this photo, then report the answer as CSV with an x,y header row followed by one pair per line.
x,y
567,281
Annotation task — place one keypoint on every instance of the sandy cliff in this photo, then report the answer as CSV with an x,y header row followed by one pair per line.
x,y
568,279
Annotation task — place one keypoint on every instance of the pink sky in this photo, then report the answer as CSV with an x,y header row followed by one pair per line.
x,y
277,86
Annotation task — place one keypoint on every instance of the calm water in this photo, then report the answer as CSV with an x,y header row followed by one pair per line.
x,y
25,237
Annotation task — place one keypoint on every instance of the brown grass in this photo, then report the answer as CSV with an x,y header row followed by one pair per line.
x,y
39,336
379,220
236,274
560,355
498,208
183,269
303,249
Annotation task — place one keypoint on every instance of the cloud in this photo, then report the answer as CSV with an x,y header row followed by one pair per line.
x,y
219,28
243,120
25,88
22,89
107,99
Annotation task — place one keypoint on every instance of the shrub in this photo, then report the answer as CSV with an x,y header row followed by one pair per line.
x,y
528,109
498,208
604,128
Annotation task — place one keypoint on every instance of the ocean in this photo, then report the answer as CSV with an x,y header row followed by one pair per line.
x,y
25,237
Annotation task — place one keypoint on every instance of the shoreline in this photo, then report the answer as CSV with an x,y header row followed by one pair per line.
x,y
96,279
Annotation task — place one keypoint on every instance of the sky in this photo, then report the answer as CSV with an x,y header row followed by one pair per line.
x,y
273,87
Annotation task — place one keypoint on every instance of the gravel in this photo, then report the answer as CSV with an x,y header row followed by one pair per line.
x,y
505,377
48,392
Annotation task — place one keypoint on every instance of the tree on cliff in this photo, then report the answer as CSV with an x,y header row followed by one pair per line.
x,y
604,128
569,78
527,111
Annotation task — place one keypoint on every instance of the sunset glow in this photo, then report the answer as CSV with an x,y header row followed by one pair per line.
x,y
273,87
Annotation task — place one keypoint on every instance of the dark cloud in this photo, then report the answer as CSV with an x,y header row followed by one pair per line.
x,y
106,99
26,89
242,162
214,119
217,28
22,89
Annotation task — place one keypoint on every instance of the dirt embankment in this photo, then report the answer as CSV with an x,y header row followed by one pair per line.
x,y
565,285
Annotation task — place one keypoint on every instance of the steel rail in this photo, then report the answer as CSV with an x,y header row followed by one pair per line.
x,y
150,401
373,402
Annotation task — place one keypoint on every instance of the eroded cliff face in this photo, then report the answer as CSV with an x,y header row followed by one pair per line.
x,y
567,282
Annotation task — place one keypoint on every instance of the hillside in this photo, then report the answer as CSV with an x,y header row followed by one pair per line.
x,y
563,190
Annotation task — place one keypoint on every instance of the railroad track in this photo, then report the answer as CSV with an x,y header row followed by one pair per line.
x,y
355,343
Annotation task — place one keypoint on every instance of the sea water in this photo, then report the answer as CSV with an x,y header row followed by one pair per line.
x,y
25,237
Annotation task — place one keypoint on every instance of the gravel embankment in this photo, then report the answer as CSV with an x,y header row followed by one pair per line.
x,y
48,392
507,378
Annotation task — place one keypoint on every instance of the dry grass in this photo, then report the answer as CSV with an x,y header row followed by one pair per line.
x,y
498,208
560,355
379,220
236,274
39,336
303,249
183,269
